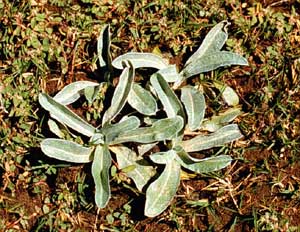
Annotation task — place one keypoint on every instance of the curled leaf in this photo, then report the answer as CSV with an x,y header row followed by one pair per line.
x,y
103,48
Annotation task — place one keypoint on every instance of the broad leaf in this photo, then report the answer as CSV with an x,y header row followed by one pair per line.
x,y
66,150
169,73
62,114
222,136
213,41
228,94
212,61
111,131
163,157
120,95
142,171
166,95
100,173
160,193
216,122
205,165
140,60
194,103
71,92
142,100
161,130
103,48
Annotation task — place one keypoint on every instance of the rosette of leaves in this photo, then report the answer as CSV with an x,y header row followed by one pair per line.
x,y
142,127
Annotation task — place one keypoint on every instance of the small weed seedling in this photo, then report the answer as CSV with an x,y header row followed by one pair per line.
x,y
142,126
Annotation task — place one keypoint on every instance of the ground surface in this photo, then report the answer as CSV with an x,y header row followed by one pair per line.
x,y
47,44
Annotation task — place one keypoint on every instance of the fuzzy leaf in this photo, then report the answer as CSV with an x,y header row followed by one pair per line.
x,y
54,128
111,131
66,150
120,95
166,95
163,157
169,73
161,130
216,122
194,103
91,93
144,148
142,171
142,100
100,173
140,60
213,41
71,92
228,94
62,114
160,193
211,62
103,48
222,136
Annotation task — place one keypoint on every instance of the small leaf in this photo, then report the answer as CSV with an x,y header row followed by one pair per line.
x,y
62,114
166,95
216,122
91,92
103,48
228,94
205,165
142,100
111,131
140,60
66,150
211,62
54,128
144,148
222,136
169,73
161,130
213,41
120,95
163,157
161,192
142,172
71,92
194,103
97,139
100,173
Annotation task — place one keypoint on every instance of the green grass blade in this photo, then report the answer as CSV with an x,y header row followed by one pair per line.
x,y
142,172
140,60
194,103
71,92
62,114
213,41
161,130
160,193
222,136
100,173
66,150
120,95
166,95
142,100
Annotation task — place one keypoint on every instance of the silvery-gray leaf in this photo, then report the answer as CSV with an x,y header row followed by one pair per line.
x,y
140,60
194,103
97,138
54,128
213,41
142,100
66,150
161,130
91,93
163,157
62,114
216,122
142,172
71,92
212,61
228,94
170,73
100,173
222,136
121,94
144,148
166,95
111,131
160,193
103,48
